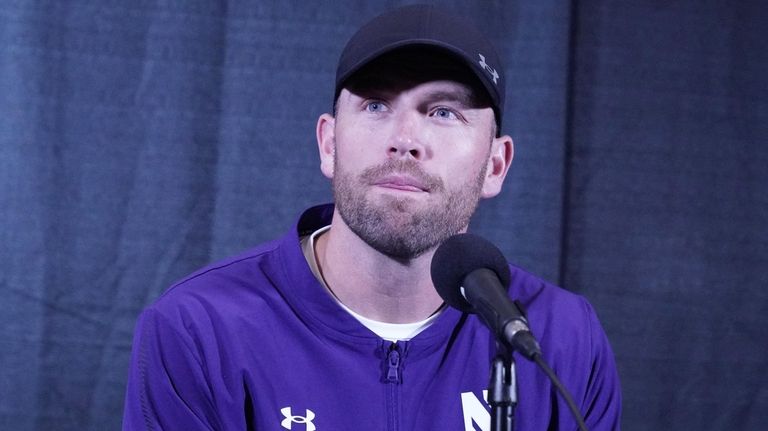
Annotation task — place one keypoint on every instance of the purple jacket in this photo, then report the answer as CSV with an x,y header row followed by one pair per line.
x,y
255,343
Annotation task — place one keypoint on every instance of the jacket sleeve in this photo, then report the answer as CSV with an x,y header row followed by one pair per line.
x,y
601,405
167,387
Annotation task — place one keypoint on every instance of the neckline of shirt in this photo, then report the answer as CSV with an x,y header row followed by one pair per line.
x,y
388,331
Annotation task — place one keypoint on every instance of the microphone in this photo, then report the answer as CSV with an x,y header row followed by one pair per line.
x,y
472,275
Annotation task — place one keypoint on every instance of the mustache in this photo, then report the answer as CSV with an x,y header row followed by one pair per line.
x,y
407,167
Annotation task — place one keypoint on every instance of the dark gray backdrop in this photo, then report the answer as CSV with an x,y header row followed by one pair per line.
x,y
140,140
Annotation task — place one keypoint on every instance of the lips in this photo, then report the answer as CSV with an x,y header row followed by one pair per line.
x,y
401,182
402,175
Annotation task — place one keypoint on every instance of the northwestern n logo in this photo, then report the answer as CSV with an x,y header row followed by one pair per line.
x,y
475,412
290,419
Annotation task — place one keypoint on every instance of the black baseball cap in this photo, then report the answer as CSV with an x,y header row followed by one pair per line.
x,y
430,27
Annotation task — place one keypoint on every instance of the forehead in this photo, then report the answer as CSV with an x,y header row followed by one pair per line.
x,y
406,68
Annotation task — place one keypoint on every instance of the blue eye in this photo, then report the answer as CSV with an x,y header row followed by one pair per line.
x,y
444,113
375,107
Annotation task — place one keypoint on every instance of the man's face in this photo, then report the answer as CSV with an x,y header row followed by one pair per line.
x,y
411,157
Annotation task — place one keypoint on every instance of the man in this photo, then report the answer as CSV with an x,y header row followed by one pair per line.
x,y
337,325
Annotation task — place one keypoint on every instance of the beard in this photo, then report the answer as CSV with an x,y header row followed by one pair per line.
x,y
402,227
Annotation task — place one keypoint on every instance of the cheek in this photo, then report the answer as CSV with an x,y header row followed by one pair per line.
x,y
351,157
464,153
470,166
351,160
356,147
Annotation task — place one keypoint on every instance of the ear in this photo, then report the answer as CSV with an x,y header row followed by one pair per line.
x,y
499,161
326,143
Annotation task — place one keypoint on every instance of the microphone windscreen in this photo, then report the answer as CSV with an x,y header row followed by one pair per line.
x,y
459,255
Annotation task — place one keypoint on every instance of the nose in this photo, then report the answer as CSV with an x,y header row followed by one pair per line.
x,y
407,139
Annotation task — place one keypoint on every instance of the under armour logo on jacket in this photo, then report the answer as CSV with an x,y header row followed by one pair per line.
x,y
290,419
488,68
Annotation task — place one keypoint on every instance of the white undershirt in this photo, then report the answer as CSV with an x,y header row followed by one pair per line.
x,y
387,331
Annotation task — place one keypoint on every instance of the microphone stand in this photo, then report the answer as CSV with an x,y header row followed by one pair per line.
x,y
502,390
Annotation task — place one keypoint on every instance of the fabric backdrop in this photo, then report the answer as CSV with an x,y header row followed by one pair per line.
x,y
140,140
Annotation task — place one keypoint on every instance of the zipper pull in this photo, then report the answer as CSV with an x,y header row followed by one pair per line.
x,y
393,365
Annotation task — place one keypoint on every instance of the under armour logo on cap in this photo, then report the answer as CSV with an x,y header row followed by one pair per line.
x,y
489,69
290,419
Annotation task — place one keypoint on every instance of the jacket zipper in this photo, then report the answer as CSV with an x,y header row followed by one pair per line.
x,y
393,376
393,364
